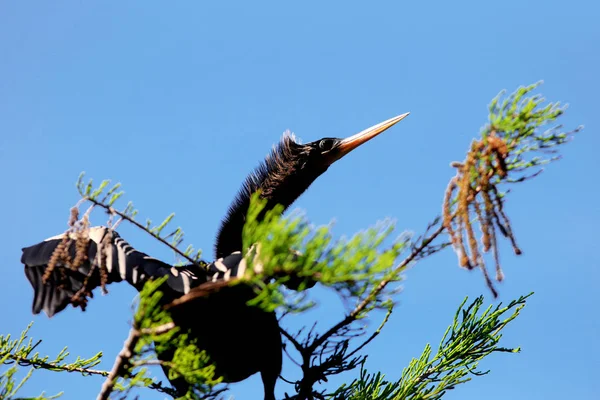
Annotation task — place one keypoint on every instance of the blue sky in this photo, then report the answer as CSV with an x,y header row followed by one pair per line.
x,y
180,102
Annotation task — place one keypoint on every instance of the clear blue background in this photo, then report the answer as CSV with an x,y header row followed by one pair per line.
x,y
180,101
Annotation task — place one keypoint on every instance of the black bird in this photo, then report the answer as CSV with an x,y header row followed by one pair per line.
x,y
240,340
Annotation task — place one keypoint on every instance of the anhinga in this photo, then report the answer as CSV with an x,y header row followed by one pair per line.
x,y
239,339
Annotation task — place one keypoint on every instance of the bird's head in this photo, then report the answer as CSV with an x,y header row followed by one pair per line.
x,y
289,169
292,167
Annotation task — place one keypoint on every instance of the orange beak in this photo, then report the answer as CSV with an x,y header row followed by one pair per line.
x,y
345,146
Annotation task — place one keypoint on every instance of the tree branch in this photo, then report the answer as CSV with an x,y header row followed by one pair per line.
x,y
113,211
23,361
124,356
354,314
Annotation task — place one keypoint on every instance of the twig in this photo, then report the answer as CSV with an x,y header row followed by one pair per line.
x,y
293,340
124,216
22,361
52,366
125,355
354,314
143,363
372,336
202,290
163,389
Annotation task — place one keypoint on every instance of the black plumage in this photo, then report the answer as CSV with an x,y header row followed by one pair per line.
x,y
240,340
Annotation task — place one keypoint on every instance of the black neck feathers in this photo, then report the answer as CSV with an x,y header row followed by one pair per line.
x,y
282,177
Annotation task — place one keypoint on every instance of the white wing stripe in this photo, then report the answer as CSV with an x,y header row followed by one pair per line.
x,y
134,275
186,283
242,268
109,258
122,262
220,265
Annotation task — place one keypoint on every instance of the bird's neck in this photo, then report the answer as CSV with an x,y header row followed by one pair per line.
x,y
276,189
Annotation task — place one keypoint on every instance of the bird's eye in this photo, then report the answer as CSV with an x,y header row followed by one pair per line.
x,y
326,144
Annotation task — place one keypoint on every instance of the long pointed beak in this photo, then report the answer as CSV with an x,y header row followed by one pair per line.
x,y
345,146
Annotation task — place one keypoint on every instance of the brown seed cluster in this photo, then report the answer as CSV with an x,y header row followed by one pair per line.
x,y
472,197
72,253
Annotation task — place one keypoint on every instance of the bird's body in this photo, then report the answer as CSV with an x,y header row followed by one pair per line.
x,y
239,339
221,321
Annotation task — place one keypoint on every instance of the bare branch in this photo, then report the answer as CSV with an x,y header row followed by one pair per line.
x,y
123,216
122,360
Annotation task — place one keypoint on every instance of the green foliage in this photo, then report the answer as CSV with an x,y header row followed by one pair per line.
x,y
472,336
352,267
188,362
517,120
21,349
150,314
20,352
9,386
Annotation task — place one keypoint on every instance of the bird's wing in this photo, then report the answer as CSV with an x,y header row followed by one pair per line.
x,y
56,287
57,283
